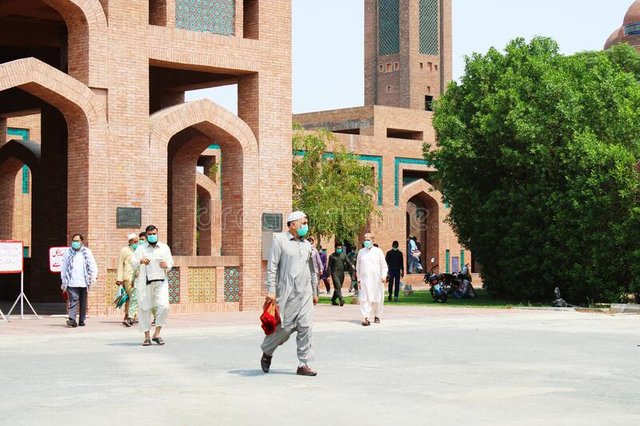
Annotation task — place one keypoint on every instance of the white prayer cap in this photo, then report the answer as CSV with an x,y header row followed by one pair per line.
x,y
296,216
131,236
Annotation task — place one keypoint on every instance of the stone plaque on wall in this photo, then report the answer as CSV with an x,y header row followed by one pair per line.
x,y
272,222
129,217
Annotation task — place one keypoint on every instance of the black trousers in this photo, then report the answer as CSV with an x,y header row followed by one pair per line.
x,y
394,283
337,288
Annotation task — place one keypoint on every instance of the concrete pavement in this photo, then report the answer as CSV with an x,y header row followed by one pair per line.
x,y
420,366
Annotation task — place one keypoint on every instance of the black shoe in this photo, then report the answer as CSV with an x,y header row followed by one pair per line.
x,y
376,320
342,302
389,299
81,323
72,323
334,303
265,362
396,299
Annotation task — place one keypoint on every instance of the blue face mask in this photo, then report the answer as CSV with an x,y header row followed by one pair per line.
x,y
303,231
368,244
339,251
152,239
76,245
134,246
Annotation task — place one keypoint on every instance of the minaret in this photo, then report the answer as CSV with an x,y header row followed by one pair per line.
x,y
407,51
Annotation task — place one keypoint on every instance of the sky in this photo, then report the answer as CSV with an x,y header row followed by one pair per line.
x,y
328,41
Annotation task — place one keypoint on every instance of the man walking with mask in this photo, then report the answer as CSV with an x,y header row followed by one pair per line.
x,y
79,272
395,262
338,264
125,278
291,280
155,261
372,271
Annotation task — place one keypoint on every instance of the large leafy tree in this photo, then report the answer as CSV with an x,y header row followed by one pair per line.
x,y
330,185
538,157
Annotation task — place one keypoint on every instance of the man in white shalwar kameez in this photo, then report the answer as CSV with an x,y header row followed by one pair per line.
x,y
291,283
154,261
372,269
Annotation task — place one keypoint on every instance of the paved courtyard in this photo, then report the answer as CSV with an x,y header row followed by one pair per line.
x,y
421,366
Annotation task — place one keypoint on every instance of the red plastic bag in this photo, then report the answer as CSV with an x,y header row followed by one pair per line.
x,y
270,317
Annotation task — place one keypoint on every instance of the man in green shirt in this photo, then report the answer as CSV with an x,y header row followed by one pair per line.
x,y
339,263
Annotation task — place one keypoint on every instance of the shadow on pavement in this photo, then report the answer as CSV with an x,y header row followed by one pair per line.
x,y
256,373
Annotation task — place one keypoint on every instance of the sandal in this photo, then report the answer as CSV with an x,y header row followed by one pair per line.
x,y
146,343
366,322
126,323
158,340
130,322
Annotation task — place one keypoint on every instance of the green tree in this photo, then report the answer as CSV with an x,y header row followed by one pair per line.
x,y
330,185
538,157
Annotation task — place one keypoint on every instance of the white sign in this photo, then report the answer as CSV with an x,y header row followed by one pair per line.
x,y
11,257
55,258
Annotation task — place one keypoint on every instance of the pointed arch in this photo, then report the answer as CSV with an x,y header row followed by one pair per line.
x,y
190,127
88,39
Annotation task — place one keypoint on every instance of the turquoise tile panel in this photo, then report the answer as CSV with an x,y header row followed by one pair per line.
x,y
211,16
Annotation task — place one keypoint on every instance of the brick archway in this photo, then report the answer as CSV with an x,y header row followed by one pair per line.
x,y
208,215
420,198
180,134
85,136
88,39
13,155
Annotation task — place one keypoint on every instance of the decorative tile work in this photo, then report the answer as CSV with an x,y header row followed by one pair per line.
x,y
212,16
398,161
110,287
24,134
429,27
231,284
389,27
202,285
173,276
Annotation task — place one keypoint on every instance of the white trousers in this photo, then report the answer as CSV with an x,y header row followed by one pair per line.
x,y
156,297
369,308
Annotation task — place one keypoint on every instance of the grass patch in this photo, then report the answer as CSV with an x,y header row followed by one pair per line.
x,y
423,298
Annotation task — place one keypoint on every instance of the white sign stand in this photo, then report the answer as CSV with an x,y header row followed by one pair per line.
x,y
11,262
22,297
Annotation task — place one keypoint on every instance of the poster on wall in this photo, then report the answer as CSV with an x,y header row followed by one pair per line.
x,y
11,253
56,254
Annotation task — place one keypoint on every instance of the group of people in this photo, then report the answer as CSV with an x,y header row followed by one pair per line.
x,y
294,271
142,270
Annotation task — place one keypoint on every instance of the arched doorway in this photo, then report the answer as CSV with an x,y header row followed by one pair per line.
x,y
184,132
73,133
69,35
423,221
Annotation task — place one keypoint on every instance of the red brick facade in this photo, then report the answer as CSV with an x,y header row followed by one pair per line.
x,y
107,89
390,130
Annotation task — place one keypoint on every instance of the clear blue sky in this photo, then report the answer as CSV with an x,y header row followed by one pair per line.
x,y
328,41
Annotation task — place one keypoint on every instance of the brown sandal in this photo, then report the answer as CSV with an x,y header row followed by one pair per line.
x,y
146,343
366,322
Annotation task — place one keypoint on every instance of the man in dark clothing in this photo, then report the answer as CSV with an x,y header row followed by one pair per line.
x,y
339,263
353,257
395,261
